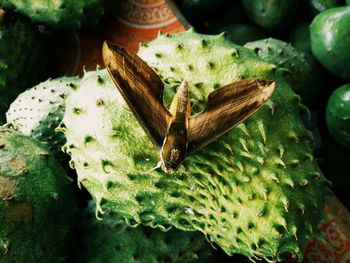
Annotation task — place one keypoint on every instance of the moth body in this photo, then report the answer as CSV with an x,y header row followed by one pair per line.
x,y
174,149
174,132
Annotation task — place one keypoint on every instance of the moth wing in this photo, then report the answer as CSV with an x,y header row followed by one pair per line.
x,y
141,88
227,106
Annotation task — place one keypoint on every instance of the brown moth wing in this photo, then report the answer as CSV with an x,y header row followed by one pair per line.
x,y
141,88
227,106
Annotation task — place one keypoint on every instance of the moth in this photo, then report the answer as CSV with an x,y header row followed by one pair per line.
x,y
174,132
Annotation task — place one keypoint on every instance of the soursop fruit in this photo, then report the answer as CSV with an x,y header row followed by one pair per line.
x,y
38,111
256,191
69,14
305,76
282,54
22,58
37,208
113,241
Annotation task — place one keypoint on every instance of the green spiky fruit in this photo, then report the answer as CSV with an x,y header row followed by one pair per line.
x,y
283,55
256,190
21,58
70,14
38,111
271,14
305,77
36,202
114,241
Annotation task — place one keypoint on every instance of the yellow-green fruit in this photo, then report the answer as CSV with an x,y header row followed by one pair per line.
x,y
256,191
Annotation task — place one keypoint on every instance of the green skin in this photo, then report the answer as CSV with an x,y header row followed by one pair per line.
x,y
62,14
241,191
22,59
338,115
241,33
305,78
271,14
114,241
330,40
282,54
39,110
319,6
36,202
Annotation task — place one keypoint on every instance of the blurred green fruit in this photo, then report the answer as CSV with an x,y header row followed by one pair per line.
x,y
330,40
338,115
271,14
318,6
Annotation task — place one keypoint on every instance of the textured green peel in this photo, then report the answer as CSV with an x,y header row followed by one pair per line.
x,y
70,14
37,207
256,191
114,241
39,110
305,76
283,55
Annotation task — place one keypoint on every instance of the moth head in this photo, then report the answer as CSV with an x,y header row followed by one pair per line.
x,y
268,86
171,163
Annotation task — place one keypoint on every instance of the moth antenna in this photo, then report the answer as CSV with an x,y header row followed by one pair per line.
x,y
159,165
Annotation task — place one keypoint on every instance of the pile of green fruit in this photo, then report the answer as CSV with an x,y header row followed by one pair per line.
x,y
256,193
